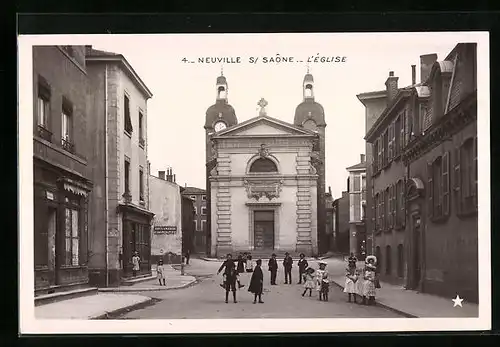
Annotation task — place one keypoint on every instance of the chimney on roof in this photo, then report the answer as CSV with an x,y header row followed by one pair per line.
x,y
391,85
363,158
161,174
426,62
413,75
174,178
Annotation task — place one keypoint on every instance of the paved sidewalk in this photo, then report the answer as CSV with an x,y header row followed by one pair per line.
x,y
174,280
91,307
408,302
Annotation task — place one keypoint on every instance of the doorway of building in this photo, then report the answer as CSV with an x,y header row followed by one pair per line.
x,y
264,230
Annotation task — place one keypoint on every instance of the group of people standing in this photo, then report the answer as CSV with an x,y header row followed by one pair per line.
x,y
361,282
312,278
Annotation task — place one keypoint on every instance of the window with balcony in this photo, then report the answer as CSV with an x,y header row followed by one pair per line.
x,y
126,113
43,110
67,141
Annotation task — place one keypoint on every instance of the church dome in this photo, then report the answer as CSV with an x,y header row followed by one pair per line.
x,y
220,110
221,80
309,109
308,78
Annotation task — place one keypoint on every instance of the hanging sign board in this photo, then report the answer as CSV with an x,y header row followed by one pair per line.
x,y
165,229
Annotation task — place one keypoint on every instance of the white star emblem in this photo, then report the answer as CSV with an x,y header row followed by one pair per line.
x,y
457,301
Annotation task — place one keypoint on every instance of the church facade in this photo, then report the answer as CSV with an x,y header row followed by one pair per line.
x,y
265,179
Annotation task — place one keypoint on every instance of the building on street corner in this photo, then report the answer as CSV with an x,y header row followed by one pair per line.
x,y
166,231
199,197
422,175
120,214
357,209
441,166
61,168
187,223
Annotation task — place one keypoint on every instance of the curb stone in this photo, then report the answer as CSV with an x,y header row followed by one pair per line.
x,y
146,289
378,303
122,310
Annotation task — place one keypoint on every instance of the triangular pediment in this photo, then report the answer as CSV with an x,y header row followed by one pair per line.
x,y
264,126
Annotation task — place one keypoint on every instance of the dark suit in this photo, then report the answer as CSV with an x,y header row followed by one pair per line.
x,y
230,272
287,264
302,263
273,267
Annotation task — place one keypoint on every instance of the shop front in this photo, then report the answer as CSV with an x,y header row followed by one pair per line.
x,y
60,230
136,238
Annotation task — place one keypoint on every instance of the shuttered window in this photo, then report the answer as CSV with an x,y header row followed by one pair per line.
x,y
445,184
402,208
474,160
457,181
430,190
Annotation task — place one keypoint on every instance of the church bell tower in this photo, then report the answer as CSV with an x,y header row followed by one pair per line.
x,y
218,117
310,115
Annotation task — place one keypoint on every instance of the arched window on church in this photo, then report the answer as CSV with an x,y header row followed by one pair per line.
x,y
308,91
310,125
222,92
263,165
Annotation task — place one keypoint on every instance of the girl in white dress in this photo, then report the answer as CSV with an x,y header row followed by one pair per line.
x,y
350,283
322,282
369,285
308,281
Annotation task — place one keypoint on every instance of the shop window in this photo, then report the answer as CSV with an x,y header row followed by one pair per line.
x,y
72,238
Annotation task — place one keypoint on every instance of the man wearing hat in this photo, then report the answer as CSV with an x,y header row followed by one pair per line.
x,y
302,263
287,265
273,267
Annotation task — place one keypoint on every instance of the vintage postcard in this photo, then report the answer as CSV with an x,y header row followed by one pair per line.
x,y
333,182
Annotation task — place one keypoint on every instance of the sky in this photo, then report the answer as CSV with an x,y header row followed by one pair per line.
x,y
183,91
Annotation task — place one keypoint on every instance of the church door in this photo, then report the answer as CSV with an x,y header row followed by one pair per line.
x,y
264,230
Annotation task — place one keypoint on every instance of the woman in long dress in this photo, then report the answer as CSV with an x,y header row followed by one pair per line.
x,y
256,283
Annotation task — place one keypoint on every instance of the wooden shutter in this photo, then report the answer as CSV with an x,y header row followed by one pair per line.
x,y
380,153
382,150
396,205
373,210
475,171
457,181
391,143
382,209
445,183
394,150
390,208
402,203
430,190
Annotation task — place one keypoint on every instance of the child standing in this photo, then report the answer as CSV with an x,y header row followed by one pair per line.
x,y
350,283
160,272
249,265
308,281
323,285
136,263
359,284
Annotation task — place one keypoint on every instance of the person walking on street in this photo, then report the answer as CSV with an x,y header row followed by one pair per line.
x,y
230,275
257,282
136,263
160,272
273,268
287,265
302,263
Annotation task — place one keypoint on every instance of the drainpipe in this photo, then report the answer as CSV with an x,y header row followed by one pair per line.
x,y
106,221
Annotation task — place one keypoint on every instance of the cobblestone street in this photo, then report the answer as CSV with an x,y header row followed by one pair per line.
x,y
206,300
